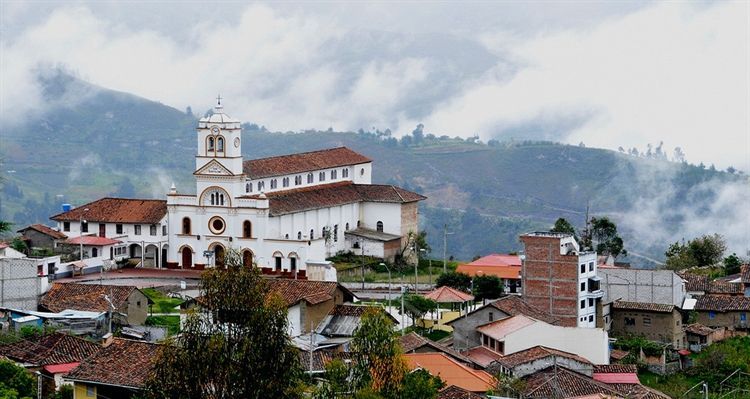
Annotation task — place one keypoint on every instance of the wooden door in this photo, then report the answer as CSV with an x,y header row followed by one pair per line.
x,y
187,257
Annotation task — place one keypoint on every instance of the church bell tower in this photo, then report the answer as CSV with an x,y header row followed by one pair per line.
x,y
219,144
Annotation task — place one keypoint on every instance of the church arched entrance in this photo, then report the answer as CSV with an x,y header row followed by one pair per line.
x,y
219,257
187,257
247,258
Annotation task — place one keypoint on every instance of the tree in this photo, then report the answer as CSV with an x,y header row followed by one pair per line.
x,y
336,383
732,264
706,250
379,366
421,240
459,281
563,226
235,346
603,232
19,245
417,305
487,287
15,381
419,384
418,134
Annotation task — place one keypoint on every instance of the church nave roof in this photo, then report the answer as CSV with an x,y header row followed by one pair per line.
x,y
302,162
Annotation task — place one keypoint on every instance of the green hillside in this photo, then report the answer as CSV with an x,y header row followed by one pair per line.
x,y
111,143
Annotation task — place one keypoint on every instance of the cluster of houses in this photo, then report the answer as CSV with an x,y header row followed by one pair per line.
x,y
555,328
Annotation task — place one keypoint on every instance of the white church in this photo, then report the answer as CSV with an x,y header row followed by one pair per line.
x,y
286,214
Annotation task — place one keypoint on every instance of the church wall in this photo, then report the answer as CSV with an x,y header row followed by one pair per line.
x,y
362,173
388,213
316,219
280,179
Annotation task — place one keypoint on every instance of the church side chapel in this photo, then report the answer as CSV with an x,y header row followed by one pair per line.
x,y
285,214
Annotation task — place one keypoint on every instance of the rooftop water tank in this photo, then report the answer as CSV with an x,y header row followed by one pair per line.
x,y
66,207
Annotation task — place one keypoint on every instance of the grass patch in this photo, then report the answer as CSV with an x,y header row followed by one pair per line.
x,y
437,335
171,322
162,303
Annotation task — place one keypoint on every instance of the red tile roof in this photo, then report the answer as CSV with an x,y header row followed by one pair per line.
x,y
117,210
617,378
722,303
536,353
447,294
505,272
615,368
559,382
46,230
451,371
55,348
91,240
123,363
454,392
313,292
302,162
643,306
497,260
483,356
618,354
699,282
513,305
745,274
412,342
698,329
86,297
333,194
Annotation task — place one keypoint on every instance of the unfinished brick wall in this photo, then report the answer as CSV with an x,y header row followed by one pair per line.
x,y
550,280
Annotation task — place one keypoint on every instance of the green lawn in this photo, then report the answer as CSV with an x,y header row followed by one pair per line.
x,y
171,322
162,303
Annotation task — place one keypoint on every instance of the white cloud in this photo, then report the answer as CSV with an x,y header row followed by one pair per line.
x,y
675,72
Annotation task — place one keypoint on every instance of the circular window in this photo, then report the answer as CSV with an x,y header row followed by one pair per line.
x,y
216,225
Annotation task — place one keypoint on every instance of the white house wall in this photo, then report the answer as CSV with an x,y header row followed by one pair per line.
x,y
591,343
388,213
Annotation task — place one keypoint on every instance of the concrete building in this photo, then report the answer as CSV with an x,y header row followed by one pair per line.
x,y
506,267
641,285
561,279
653,321
20,283
39,236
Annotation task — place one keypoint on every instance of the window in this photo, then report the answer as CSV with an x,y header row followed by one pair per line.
x,y
310,178
362,172
152,230
247,229
312,233
274,183
84,226
260,186
220,144
333,174
583,268
90,391
591,266
210,146
185,225
118,229
711,315
249,187
346,227
322,176
293,264
591,318
214,197
583,304
216,225
66,226
94,252
743,316
299,235
286,236
137,229
629,321
491,316
583,286
379,226
164,230
591,301
335,233
344,173
277,259
485,340
297,180
646,321
285,182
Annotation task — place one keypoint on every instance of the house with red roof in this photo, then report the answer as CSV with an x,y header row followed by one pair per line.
x,y
507,267
451,371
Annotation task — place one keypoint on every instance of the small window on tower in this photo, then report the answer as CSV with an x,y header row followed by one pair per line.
x,y
220,144
210,146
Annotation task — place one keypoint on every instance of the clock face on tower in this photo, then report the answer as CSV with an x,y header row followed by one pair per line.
x,y
215,130
236,142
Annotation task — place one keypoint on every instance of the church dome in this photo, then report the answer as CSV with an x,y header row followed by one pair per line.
x,y
219,117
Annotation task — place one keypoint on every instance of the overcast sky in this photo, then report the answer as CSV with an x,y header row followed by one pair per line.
x,y
609,74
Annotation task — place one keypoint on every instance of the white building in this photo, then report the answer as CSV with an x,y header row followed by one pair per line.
x,y
283,213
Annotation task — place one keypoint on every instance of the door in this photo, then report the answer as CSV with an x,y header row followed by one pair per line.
x,y
102,230
219,256
187,257
247,259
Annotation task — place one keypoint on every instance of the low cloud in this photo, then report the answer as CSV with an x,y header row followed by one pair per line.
x,y
672,72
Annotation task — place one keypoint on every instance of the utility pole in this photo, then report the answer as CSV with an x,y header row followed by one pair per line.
x,y
403,292
416,275
445,247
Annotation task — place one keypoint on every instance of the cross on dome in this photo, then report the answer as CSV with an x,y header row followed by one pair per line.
x,y
218,99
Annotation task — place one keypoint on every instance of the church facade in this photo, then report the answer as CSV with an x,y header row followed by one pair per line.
x,y
284,213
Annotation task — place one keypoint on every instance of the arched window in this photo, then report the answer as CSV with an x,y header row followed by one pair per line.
x,y
359,223
220,144
261,185
247,229
347,226
273,184
362,172
297,180
312,233
380,226
299,235
249,187
210,146
286,236
333,174
215,196
322,176
345,173
285,182
185,225
309,178
247,258
221,199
